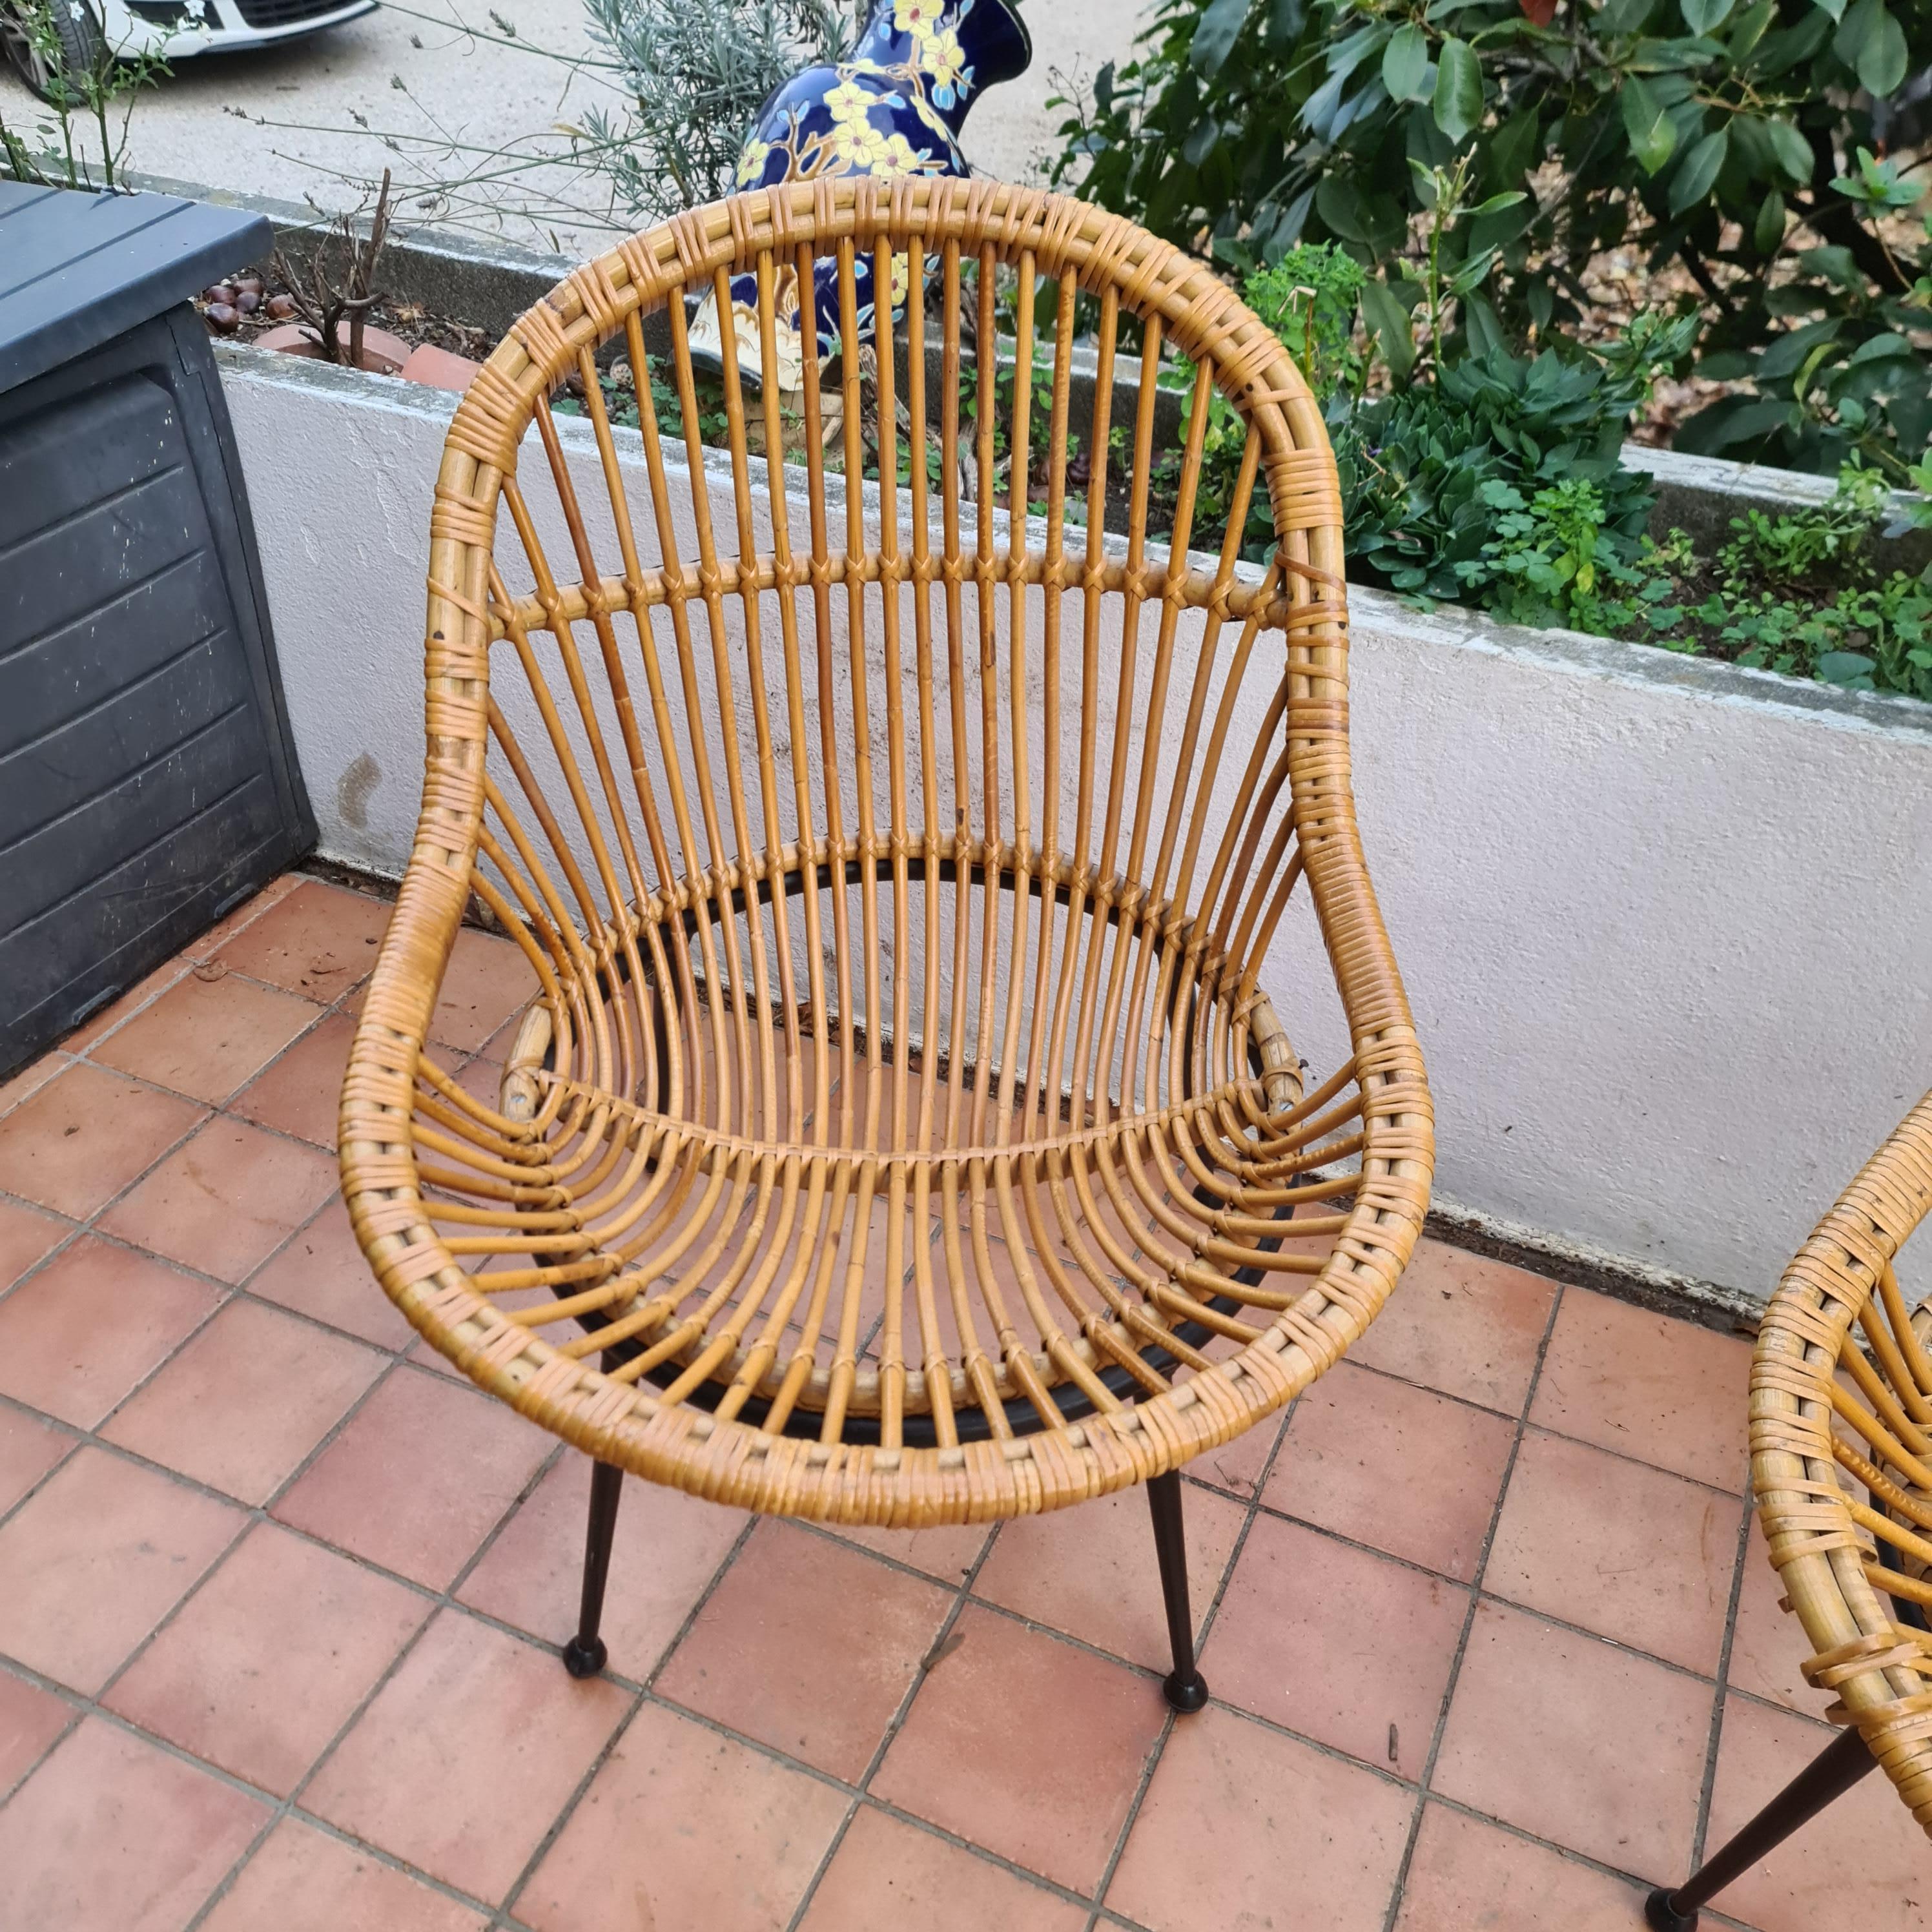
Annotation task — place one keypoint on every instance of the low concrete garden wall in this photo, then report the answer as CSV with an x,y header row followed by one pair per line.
x,y
1665,923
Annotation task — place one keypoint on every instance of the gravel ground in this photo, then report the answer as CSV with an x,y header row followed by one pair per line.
x,y
193,128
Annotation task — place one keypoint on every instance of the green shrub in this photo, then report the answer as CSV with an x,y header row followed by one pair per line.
x,y
1700,131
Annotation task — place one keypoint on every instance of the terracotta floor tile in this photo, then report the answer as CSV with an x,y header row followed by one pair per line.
x,y
270,1658
205,1037
1588,1747
241,1405
423,1472
319,941
1623,1549
668,1547
78,1142
1397,1467
948,1552
1091,1570
113,1834
95,1558
93,1322
30,1079
887,1876
227,1201
1237,1466
807,1645
303,1880
123,1008
987,1749
29,1447
30,1721
466,1755
1768,1645
299,1093
486,980
244,915
1467,1873
1243,1827
681,1828
26,1234
1346,1647
1863,1863
1462,1324
1664,1391
323,1273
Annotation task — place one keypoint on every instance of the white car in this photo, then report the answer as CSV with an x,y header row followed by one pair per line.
x,y
83,28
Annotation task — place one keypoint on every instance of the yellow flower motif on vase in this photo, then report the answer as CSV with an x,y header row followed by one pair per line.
x,y
919,18
859,146
941,56
848,103
751,162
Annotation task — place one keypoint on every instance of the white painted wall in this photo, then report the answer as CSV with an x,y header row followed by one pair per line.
x,y
1667,924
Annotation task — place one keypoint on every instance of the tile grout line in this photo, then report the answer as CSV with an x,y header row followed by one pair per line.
x,y
1476,1598
894,1724
1707,1785
641,1693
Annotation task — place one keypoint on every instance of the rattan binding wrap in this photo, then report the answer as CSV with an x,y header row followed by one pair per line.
x,y
982,1001
1841,1386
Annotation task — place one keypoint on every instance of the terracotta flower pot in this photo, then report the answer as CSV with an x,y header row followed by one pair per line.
x,y
382,354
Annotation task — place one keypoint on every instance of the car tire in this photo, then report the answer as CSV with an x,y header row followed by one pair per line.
x,y
76,28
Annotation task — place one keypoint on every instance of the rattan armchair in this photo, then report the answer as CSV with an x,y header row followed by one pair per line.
x,y
901,1133
1841,1408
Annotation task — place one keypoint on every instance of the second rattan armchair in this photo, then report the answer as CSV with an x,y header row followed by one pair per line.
x,y
901,1133
1841,1405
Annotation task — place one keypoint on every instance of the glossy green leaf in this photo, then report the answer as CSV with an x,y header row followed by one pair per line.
x,y
1214,38
1768,231
1701,16
1793,151
1748,28
1882,59
1406,65
1872,43
1459,89
1697,173
1652,138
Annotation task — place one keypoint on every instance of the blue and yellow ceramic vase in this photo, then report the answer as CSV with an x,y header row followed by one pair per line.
x,y
895,107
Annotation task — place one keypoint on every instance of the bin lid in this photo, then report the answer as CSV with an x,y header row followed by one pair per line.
x,y
77,269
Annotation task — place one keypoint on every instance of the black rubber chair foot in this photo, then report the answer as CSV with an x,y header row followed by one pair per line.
x,y
1661,1915
585,1660
1185,1694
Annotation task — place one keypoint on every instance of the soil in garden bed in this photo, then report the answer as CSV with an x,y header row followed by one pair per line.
x,y
271,307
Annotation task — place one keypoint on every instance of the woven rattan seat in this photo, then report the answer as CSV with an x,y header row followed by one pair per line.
x,y
902,1133
1841,1467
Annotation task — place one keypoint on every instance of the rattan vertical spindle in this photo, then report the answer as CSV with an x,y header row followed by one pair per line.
x,y
1834,1416
899,1133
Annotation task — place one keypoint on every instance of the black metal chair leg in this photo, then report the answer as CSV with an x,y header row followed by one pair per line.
x,y
1186,1689
584,1655
1831,1774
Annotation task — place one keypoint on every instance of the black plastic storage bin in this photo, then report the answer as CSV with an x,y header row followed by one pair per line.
x,y
148,780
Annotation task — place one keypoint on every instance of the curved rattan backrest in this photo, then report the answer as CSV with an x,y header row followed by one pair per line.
x,y
1842,1381
900,1118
